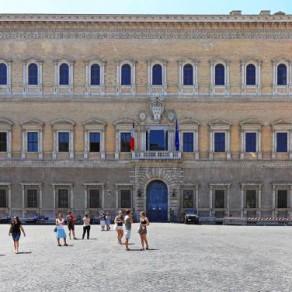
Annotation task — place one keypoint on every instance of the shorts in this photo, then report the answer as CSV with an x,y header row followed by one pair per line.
x,y
71,227
127,234
119,227
16,235
102,223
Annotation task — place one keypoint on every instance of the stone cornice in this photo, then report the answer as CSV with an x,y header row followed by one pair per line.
x,y
148,33
149,18
202,164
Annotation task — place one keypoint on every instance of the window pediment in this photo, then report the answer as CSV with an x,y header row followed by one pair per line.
x,y
250,124
188,124
281,125
62,124
32,124
94,124
220,124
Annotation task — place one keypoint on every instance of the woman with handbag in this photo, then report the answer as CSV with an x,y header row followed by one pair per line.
x,y
15,231
144,222
60,222
119,221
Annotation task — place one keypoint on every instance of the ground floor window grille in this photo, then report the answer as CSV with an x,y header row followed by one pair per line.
x,y
126,199
219,199
94,199
32,198
3,198
63,198
251,199
282,198
188,198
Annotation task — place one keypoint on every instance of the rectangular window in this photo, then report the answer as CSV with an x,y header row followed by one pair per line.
x,y
251,201
157,140
250,142
188,199
63,198
94,142
63,141
3,198
32,142
32,198
3,142
94,199
282,199
219,199
188,142
282,139
125,142
219,142
126,199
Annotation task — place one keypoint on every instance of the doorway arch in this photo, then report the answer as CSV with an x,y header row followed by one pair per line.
x,y
157,201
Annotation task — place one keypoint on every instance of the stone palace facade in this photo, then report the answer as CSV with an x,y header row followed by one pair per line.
x,y
207,99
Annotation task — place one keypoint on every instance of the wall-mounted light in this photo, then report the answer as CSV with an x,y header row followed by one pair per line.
x,y
139,192
173,193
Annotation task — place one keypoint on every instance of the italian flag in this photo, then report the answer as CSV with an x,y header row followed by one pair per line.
x,y
132,139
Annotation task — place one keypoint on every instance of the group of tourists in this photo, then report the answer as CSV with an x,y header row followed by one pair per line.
x,y
121,221
123,226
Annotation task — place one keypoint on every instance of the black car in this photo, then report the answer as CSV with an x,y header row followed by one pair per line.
x,y
191,217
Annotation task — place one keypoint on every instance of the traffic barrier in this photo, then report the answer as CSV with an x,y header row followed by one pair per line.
x,y
257,221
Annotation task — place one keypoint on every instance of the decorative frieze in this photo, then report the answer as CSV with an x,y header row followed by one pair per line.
x,y
159,33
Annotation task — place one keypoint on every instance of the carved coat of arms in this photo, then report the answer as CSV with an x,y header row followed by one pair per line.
x,y
157,108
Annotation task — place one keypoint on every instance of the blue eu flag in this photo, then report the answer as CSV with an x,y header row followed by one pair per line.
x,y
176,137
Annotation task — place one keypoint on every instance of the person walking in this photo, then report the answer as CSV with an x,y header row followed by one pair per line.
x,y
71,224
86,226
15,230
144,222
60,222
128,227
119,221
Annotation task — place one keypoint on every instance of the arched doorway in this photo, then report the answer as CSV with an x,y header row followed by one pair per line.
x,y
157,201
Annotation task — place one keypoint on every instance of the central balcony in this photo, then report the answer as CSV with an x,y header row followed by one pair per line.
x,y
156,155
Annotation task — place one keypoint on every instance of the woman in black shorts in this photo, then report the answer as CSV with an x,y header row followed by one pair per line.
x,y
144,222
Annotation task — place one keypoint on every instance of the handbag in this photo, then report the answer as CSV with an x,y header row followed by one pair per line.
x,y
55,229
140,229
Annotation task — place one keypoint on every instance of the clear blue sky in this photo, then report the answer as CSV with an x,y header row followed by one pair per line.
x,y
145,6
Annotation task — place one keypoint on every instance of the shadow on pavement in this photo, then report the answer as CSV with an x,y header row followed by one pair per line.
x,y
24,252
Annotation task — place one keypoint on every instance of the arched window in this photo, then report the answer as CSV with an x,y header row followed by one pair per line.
x,y
3,74
33,74
219,74
282,74
95,74
157,75
250,74
64,74
188,74
126,75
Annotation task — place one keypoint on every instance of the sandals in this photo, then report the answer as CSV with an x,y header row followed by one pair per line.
x,y
65,244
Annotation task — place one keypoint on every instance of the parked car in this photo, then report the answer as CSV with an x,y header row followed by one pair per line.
x,y
191,217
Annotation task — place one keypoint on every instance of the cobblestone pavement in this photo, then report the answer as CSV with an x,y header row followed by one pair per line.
x,y
181,258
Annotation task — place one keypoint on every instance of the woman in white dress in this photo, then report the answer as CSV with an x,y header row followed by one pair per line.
x,y
60,222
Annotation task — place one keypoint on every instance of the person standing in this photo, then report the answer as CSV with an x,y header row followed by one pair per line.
x,y
144,222
128,227
107,221
15,230
60,222
119,221
86,226
102,221
71,224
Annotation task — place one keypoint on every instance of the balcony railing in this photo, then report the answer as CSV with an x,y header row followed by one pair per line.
x,y
156,155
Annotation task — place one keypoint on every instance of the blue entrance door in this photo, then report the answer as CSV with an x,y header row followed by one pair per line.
x,y
157,201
